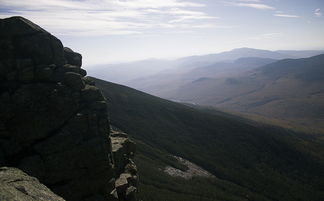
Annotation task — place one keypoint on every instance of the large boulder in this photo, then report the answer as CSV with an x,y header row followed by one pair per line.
x,y
72,57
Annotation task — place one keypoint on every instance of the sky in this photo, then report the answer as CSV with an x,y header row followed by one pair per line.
x,y
113,31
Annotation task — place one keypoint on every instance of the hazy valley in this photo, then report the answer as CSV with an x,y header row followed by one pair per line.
x,y
248,81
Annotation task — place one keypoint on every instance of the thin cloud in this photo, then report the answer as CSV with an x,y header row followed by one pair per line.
x,y
250,0
97,4
109,17
156,3
286,15
254,5
190,18
318,12
187,15
271,35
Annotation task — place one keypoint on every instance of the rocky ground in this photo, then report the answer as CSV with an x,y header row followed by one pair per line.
x,y
192,171
15,185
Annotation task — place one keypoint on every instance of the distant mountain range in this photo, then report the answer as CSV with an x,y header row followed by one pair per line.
x,y
289,89
164,84
124,73
250,161
245,80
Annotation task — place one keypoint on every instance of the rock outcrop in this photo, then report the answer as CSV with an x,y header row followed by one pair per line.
x,y
16,185
54,123
123,150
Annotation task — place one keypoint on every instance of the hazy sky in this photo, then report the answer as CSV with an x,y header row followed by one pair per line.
x,y
108,31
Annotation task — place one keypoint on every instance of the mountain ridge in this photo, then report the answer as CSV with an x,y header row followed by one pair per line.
x,y
125,72
289,89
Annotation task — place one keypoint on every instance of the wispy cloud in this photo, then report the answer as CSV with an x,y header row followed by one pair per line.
x,y
318,12
181,14
286,15
271,35
102,17
254,5
186,15
250,0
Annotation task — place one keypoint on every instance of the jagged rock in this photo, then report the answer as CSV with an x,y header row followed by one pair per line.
x,y
83,72
131,193
73,58
73,68
54,123
125,187
89,81
122,184
15,185
131,167
91,93
113,196
122,148
73,80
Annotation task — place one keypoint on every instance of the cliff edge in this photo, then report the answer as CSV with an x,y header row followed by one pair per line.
x,y
54,124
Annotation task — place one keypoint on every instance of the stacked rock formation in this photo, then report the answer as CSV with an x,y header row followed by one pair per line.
x,y
123,150
54,123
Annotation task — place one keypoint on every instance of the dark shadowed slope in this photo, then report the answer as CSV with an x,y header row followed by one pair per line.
x,y
251,161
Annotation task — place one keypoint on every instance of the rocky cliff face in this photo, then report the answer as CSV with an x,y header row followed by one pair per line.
x,y
54,123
